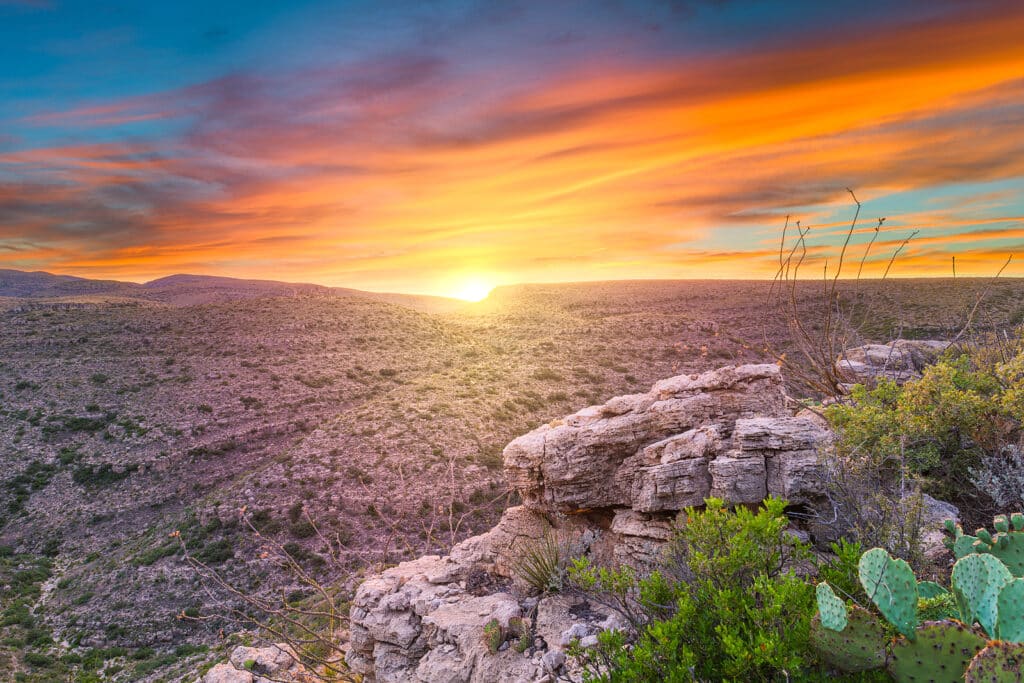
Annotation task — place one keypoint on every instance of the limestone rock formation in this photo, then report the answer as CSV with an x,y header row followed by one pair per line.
x,y
900,360
608,482
259,665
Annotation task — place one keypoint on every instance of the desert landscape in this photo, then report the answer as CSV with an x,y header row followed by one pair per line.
x,y
499,341
131,412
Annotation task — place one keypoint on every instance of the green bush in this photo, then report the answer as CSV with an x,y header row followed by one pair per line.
x,y
215,552
955,432
728,605
39,661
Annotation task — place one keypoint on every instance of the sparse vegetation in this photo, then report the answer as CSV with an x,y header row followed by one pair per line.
x,y
338,403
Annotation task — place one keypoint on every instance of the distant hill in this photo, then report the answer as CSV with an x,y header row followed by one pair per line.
x,y
198,289
189,290
21,284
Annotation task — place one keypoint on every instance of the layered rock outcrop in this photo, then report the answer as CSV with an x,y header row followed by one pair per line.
x,y
607,480
900,360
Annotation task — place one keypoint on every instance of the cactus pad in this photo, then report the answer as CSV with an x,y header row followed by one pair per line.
x,y
1000,662
1010,603
977,580
831,609
929,589
963,546
1008,547
892,586
940,654
858,647
960,544
1007,543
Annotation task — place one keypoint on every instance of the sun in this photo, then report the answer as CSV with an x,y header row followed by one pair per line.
x,y
474,289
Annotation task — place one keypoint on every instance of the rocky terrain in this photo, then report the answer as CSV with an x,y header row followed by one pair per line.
x,y
609,480
126,415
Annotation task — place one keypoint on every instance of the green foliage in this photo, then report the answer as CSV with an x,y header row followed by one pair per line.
x,y
957,427
96,476
215,552
155,553
35,477
840,569
937,607
739,615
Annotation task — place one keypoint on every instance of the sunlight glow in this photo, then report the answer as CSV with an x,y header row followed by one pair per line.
x,y
473,290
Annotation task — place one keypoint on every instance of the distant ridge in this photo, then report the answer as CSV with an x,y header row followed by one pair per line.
x,y
188,290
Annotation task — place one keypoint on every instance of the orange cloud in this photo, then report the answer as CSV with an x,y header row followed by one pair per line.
x,y
393,176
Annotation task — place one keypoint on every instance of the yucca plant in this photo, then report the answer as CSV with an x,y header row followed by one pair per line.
x,y
541,564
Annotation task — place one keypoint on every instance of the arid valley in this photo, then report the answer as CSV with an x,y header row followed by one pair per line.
x,y
354,429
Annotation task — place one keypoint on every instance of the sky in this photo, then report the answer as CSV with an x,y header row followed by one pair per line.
x,y
448,146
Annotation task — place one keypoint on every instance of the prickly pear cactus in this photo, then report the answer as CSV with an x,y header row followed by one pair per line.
x,y
831,609
1007,543
999,662
977,581
858,647
892,586
961,544
940,653
929,589
1010,605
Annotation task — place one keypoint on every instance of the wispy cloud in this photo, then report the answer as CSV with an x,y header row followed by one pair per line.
x,y
394,172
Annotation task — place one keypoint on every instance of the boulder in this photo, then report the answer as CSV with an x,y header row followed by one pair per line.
x,y
259,665
790,447
899,360
226,673
933,533
591,459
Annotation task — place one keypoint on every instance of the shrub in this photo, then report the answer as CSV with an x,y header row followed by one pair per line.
x,y
40,661
216,552
955,433
740,613
95,476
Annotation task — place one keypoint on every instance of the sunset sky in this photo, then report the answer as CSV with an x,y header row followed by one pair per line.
x,y
448,146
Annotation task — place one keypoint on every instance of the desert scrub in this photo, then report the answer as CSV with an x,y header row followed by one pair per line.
x,y
726,605
955,433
